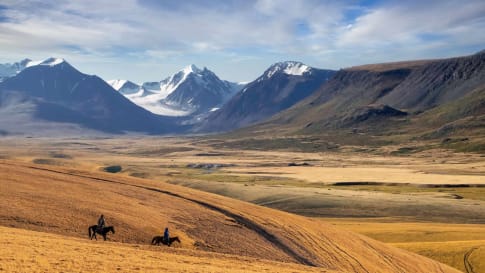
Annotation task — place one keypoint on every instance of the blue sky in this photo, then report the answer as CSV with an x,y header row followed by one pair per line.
x,y
147,40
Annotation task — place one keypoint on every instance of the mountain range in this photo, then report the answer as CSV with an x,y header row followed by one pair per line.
x,y
423,99
191,91
52,97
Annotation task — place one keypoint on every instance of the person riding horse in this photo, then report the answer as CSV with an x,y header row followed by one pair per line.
x,y
166,236
101,223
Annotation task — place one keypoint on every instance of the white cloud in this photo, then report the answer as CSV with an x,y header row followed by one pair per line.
x,y
330,34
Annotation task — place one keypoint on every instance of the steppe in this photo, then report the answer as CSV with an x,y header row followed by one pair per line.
x,y
428,202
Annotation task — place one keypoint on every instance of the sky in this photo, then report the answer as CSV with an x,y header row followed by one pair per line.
x,y
148,40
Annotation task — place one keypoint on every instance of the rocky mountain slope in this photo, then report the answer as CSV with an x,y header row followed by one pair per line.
x,y
280,87
191,91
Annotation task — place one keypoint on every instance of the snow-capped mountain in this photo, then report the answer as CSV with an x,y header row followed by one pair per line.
x,y
125,87
56,95
289,68
191,91
198,90
281,86
9,70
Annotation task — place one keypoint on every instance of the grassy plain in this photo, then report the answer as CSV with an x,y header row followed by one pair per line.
x,y
458,245
433,200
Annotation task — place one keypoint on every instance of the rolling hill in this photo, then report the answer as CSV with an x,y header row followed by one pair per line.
x,y
65,201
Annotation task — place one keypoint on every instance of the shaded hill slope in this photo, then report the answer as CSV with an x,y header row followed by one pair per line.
x,y
441,91
66,201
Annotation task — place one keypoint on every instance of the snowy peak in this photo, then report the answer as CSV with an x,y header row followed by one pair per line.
x,y
117,84
47,62
9,70
191,69
52,61
189,91
124,86
198,90
288,68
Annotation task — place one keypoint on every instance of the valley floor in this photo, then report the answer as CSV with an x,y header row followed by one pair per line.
x,y
431,203
459,245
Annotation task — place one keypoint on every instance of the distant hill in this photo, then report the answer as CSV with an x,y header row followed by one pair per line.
x,y
281,86
53,92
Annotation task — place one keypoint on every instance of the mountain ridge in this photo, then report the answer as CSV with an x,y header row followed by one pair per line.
x,y
280,86
189,92
57,92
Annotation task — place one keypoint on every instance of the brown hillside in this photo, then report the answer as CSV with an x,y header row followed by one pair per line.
x,y
65,201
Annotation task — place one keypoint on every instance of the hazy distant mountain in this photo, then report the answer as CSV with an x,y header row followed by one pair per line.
x,y
281,86
54,91
191,91
125,87
9,70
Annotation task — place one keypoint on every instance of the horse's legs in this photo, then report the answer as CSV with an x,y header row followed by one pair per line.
x,y
104,236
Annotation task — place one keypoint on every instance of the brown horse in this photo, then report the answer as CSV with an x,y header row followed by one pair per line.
x,y
157,240
94,229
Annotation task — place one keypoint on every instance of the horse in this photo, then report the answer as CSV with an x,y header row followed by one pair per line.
x,y
157,240
94,229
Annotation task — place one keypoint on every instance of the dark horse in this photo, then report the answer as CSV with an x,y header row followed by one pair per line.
x,y
94,229
157,240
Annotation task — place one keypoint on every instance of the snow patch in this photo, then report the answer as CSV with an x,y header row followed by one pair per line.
x,y
48,62
288,68
296,69
191,69
117,84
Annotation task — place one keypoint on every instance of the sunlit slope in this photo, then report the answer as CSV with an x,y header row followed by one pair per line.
x,y
26,251
66,201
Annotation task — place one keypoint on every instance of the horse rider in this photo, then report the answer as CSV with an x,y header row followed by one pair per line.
x,y
166,236
101,222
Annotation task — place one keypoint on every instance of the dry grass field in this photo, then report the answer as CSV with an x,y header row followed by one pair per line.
x,y
60,186
459,245
29,251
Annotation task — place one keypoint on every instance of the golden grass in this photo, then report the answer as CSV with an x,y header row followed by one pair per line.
x,y
64,191
326,175
65,201
25,251
458,254
446,243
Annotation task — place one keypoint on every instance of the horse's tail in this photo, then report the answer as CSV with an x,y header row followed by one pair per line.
x,y
89,231
154,240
